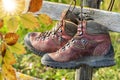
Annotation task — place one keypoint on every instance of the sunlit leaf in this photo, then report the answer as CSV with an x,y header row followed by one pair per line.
x,y
29,21
1,23
12,24
45,19
3,49
21,6
17,48
35,5
11,38
8,72
9,58
0,61
1,76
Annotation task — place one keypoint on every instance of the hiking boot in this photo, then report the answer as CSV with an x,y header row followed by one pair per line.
x,y
90,46
41,43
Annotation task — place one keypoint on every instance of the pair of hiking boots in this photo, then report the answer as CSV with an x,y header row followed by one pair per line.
x,y
73,43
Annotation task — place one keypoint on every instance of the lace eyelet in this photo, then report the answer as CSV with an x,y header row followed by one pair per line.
x,y
73,41
60,39
47,37
68,44
37,38
59,30
63,48
43,39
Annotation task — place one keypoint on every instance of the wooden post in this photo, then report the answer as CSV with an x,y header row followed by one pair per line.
x,y
84,73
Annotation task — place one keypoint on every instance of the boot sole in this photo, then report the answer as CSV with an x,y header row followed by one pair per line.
x,y
95,62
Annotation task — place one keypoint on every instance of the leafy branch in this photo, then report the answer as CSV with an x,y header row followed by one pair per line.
x,y
9,39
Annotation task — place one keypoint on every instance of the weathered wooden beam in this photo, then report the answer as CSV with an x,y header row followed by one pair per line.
x,y
111,20
84,73
92,3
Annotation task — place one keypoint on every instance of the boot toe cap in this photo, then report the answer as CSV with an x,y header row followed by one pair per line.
x,y
46,58
27,40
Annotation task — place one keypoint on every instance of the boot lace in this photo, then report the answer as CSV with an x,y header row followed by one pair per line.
x,y
79,30
57,31
72,41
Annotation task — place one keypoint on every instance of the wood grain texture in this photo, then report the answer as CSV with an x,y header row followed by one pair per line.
x,y
111,20
84,73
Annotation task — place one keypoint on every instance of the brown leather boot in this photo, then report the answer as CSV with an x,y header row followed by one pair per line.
x,y
90,46
41,43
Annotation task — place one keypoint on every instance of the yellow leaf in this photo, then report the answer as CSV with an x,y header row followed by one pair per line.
x,y
21,6
8,72
17,48
35,5
1,76
12,24
9,58
45,19
11,38
29,21
0,61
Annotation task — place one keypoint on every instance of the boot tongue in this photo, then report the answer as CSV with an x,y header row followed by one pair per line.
x,y
70,16
95,28
70,28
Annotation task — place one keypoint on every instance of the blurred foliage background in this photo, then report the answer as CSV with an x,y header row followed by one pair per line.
x,y
30,64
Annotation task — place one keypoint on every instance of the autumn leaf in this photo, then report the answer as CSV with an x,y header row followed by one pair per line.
x,y
35,5
8,72
29,21
9,58
1,76
45,19
21,5
12,24
0,61
3,49
1,23
11,38
1,36
17,48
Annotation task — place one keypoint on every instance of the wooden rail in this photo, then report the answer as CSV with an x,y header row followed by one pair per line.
x,y
110,19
